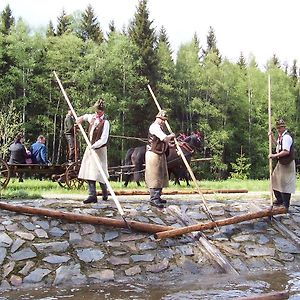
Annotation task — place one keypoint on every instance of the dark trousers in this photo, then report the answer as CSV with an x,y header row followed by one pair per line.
x,y
282,198
155,194
92,189
71,146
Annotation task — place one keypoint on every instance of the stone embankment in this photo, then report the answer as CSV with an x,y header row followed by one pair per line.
x,y
39,251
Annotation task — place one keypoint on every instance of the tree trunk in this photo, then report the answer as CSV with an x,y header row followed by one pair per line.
x,y
228,221
138,226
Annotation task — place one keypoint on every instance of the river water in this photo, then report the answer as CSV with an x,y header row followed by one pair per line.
x,y
219,287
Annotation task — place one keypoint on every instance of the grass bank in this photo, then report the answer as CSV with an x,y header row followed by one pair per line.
x,y
33,188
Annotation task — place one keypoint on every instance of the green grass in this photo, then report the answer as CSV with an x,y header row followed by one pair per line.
x,y
33,188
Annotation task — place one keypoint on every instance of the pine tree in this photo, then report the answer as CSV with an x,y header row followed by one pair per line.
x,y
90,27
7,20
50,30
143,35
63,23
242,62
275,61
212,45
196,42
165,71
111,27
163,38
294,74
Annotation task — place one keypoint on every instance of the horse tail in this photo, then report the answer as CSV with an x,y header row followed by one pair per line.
x,y
128,156
127,162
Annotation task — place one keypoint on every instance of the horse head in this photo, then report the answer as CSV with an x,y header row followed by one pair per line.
x,y
195,141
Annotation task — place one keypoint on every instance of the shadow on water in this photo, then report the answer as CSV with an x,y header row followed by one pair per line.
x,y
193,287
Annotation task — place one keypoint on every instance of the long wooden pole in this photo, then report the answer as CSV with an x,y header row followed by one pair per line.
x,y
228,221
138,226
270,139
183,158
94,154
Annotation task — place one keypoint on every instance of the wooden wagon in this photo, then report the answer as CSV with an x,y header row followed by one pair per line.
x,y
65,174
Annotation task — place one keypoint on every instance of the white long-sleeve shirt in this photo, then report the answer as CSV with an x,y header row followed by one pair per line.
x,y
105,132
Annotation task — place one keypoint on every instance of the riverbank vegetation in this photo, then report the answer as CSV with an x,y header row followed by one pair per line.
x,y
201,89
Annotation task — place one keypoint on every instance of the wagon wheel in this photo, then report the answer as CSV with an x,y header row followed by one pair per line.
x,y
60,179
4,174
72,180
62,184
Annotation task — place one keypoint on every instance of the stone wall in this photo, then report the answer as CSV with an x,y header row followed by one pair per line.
x,y
39,251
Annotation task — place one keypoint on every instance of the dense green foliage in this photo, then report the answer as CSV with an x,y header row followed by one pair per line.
x,y
202,90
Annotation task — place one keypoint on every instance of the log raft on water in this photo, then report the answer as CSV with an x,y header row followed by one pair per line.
x,y
219,223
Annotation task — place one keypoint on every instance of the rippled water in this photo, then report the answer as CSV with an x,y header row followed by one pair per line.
x,y
219,287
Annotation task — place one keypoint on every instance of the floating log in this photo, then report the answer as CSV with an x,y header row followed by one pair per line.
x,y
138,226
219,223
268,296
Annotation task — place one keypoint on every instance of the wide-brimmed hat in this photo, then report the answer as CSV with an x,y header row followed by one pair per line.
x,y
280,123
99,105
162,115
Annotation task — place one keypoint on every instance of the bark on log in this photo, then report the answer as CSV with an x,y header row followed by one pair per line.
x,y
269,296
138,226
219,223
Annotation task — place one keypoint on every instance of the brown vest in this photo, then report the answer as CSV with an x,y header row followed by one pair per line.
x,y
285,160
97,131
156,145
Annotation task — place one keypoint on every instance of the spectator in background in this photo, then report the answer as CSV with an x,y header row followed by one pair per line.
x,y
18,153
39,152
17,150
70,135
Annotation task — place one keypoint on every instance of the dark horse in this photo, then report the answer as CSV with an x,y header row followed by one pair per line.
x,y
135,160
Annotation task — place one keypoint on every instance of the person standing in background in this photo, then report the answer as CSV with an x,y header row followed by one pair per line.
x,y
69,132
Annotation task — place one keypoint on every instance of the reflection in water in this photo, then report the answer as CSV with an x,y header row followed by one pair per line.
x,y
218,287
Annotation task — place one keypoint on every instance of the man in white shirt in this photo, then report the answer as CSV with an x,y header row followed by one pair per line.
x,y
98,133
156,173
284,174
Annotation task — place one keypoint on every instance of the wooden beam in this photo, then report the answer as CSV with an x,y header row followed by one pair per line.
x,y
286,232
138,226
219,223
206,246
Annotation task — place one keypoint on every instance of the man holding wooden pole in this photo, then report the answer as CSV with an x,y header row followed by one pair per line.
x,y
98,133
156,173
284,175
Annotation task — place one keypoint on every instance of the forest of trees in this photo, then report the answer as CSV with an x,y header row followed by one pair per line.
x,y
201,90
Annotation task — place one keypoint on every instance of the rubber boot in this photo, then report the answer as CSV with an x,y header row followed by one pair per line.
x,y
92,198
104,191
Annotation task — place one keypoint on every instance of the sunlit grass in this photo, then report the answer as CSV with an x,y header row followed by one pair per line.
x,y
34,188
